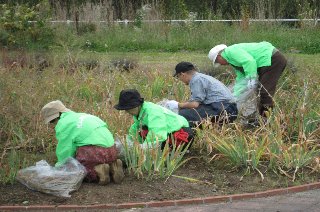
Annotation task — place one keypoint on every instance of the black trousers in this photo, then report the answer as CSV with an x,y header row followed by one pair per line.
x,y
219,112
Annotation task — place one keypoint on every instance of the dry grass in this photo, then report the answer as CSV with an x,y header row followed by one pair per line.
x,y
287,144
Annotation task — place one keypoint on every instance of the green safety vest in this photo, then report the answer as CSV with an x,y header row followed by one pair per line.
x,y
246,58
80,129
159,121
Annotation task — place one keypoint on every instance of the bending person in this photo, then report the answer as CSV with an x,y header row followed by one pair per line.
x,y
153,123
87,138
210,98
253,63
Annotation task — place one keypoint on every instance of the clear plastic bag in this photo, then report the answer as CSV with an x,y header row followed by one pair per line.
x,y
120,148
246,101
58,181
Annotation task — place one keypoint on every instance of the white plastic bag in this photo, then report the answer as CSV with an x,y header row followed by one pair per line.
x,y
58,181
163,103
246,102
120,148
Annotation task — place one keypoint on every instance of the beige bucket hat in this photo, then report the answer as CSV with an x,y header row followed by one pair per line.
x,y
52,110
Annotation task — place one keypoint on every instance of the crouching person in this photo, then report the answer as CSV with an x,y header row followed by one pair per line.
x,y
210,98
153,123
86,138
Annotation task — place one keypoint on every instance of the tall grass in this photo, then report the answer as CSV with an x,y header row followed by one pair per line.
x,y
286,144
151,161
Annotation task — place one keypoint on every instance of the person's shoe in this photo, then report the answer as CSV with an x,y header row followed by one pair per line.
x,y
103,171
116,171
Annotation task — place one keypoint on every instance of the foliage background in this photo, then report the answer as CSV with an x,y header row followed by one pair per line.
x,y
179,9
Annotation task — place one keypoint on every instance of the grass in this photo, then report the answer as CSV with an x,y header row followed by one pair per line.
x,y
287,142
165,37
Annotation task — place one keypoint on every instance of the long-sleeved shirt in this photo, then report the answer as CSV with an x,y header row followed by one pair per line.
x,y
206,90
159,122
80,129
246,58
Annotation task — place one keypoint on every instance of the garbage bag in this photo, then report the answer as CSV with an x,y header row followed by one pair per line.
x,y
163,103
247,103
58,181
120,148
246,100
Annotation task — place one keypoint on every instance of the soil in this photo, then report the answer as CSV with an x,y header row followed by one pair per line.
x,y
212,179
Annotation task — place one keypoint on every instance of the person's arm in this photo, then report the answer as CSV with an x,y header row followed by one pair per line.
x,y
157,127
65,148
134,132
241,58
198,95
192,104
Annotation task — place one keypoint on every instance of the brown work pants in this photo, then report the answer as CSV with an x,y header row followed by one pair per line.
x,y
268,77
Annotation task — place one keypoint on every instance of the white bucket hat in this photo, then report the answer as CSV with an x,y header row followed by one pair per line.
x,y
213,53
52,110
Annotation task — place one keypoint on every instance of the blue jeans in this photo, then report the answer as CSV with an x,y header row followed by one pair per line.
x,y
219,112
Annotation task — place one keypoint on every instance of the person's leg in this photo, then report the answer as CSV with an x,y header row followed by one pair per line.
x,y
232,111
223,112
268,77
194,116
91,156
184,136
190,135
116,170
102,171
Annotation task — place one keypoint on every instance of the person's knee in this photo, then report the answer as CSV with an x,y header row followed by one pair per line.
x,y
189,114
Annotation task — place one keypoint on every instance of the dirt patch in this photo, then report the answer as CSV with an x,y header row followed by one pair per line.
x,y
212,180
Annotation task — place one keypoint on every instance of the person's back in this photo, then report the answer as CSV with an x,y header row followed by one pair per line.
x,y
239,54
80,129
207,89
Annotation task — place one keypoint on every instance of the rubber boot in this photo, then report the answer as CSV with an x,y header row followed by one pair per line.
x,y
103,171
116,171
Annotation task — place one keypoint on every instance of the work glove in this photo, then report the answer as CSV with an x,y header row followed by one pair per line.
x,y
172,105
252,84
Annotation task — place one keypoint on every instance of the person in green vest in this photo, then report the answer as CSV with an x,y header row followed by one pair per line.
x,y
153,124
86,138
257,65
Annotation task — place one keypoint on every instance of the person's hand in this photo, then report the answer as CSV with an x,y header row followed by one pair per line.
x,y
172,105
252,84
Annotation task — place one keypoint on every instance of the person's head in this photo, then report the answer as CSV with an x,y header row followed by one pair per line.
x,y
215,55
184,72
51,112
130,101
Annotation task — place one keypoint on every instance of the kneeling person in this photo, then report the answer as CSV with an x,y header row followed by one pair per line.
x,y
153,122
87,138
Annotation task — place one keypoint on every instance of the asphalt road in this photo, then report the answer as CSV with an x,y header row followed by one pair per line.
x,y
308,201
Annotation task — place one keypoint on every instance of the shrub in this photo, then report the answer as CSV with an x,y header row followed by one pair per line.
x,y
22,26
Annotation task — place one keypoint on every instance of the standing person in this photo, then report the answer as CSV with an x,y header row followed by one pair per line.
x,y
153,123
209,97
87,138
253,63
